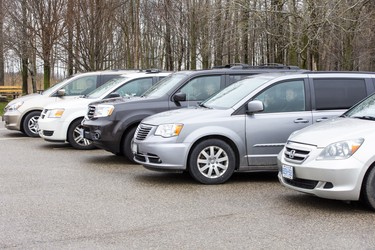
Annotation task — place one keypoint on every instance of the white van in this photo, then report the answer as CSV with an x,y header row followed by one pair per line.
x,y
23,113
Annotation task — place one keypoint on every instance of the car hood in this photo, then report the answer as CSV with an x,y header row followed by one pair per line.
x,y
25,98
70,103
185,115
338,129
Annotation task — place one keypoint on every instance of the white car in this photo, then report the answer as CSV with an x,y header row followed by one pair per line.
x,y
61,122
334,159
23,113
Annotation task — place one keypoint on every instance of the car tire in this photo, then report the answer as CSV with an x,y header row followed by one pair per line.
x,y
369,189
75,136
126,145
30,124
212,161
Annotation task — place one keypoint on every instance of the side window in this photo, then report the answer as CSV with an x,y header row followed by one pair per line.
x,y
81,86
284,97
135,88
338,93
106,78
201,88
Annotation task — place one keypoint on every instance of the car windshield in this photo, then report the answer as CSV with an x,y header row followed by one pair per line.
x,y
56,86
97,93
363,110
234,93
164,85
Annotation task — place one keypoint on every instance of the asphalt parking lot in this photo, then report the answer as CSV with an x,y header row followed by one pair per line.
x,y
55,197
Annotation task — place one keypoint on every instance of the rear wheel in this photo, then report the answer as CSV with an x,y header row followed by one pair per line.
x,y
126,145
212,162
30,124
369,189
75,136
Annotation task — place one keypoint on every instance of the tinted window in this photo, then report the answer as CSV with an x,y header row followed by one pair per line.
x,y
235,78
105,78
136,87
338,93
284,97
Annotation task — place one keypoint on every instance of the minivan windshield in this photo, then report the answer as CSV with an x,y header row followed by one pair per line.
x,y
234,93
164,85
363,110
111,84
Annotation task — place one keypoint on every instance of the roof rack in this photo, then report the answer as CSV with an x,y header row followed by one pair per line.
x,y
150,70
261,66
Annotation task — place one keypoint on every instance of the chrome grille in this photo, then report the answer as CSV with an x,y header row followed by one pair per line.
x,y
142,132
296,154
91,111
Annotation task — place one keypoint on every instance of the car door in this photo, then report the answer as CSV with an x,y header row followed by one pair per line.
x,y
286,109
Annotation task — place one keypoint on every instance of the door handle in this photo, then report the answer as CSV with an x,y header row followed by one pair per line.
x,y
322,119
300,120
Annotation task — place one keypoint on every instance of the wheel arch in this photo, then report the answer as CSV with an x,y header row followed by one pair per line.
x,y
24,116
364,179
219,137
70,125
127,129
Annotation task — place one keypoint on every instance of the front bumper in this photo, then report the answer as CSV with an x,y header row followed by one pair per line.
x,y
101,133
331,179
12,120
161,154
53,129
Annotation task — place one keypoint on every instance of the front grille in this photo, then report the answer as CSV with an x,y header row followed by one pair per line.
x,y
301,183
142,132
47,132
296,152
91,111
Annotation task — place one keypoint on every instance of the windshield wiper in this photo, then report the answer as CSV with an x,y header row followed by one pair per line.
x,y
365,117
203,106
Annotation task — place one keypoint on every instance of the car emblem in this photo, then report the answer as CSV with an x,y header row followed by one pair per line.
x,y
292,153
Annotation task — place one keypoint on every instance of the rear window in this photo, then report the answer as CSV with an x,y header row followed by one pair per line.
x,y
338,93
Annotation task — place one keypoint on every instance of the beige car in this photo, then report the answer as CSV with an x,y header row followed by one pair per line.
x,y
23,113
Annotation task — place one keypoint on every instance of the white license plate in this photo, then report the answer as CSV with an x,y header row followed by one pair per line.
x,y
287,172
134,148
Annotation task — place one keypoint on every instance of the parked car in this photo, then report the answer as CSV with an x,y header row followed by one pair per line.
x,y
334,159
111,124
23,113
61,121
246,125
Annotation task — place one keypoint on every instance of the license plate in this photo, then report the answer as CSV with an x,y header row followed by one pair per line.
x,y
287,172
134,148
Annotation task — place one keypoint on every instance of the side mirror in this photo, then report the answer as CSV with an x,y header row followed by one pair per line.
x,y
179,97
61,92
114,95
255,106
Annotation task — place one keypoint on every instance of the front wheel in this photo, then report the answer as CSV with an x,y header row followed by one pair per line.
x,y
369,189
126,145
75,136
212,162
30,124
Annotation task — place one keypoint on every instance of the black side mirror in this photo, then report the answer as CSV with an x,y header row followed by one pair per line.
x,y
179,97
114,95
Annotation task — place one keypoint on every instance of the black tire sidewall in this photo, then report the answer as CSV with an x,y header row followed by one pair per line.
x,y
25,123
70,136
369,189
126,145
193,168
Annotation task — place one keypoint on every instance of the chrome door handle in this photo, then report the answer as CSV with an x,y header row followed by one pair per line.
x,y
300,120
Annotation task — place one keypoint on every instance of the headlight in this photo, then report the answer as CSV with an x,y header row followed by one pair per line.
x,y
169,130
55,113
103,110
340,150
13,106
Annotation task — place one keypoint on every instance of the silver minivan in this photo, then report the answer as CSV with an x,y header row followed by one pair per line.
x,y
246,125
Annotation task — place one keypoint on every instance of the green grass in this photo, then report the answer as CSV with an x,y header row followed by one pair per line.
x,y
2,106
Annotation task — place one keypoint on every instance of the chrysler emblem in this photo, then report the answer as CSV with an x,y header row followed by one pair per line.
x,y
292,153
